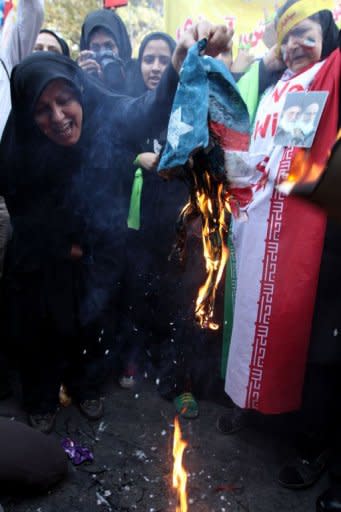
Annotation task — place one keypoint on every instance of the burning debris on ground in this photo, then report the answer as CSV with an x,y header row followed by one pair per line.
x,y
132,462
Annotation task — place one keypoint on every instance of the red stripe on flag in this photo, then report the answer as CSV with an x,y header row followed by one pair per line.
x,y
228,138
291,266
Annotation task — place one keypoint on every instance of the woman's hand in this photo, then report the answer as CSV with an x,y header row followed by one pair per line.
x,y
218,39
148,161
243,60
86,61
271,60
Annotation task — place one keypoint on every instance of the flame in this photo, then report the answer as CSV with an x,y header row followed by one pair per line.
x,y
303,170
212,209
179,473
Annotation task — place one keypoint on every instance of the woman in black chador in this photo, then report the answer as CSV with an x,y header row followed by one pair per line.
x,y
62,173
63,167
160,292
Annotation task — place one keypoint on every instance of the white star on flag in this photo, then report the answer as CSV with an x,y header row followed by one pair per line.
x,y
177,128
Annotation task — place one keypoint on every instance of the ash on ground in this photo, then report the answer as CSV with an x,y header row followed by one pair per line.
x,y
132,467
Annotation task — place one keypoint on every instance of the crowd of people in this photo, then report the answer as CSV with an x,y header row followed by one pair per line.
x,y
87,227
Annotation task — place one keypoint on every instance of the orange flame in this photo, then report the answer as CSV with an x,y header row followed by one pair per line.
x,y
179,473
215,253
303,170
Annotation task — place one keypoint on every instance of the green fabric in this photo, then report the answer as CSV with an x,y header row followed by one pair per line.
x,y
229,298
248,86
134,215
187,406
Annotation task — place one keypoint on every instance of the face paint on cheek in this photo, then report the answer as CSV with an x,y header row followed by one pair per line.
x,y
309,43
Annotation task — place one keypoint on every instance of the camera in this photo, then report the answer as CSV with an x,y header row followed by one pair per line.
x,y
112,67
108,61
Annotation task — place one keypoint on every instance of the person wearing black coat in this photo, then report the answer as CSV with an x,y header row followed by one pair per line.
x,y
62,161
147,316
67,211
106,50
160,292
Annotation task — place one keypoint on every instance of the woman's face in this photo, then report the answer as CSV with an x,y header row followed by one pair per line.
x,y
155,59
302,46
59,114
47,43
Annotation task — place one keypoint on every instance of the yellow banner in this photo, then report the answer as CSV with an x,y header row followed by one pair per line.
x,y
247,17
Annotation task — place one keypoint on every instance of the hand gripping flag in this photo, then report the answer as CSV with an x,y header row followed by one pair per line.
x,y
208,120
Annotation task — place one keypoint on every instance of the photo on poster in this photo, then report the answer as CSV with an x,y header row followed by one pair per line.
x,y
300,118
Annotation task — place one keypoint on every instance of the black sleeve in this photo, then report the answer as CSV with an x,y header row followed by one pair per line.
x,y
266,77
237,76
146,116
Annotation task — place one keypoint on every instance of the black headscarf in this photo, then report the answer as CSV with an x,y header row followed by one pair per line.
x,y
58,196
136,87
64,46
330,32
23,144
155,36
30,78
28,156
110,21
25,147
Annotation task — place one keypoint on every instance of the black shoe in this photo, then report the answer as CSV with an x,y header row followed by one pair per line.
x,y
45,422
302,473
329,501
92,409
233,420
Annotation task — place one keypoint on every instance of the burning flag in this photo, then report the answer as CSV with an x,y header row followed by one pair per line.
x,y
208,119
179,472
304,173
317,183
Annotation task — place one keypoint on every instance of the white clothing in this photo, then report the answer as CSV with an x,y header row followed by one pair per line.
x,y
19,43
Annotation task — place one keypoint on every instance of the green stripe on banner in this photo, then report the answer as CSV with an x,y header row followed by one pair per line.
x,y
229,299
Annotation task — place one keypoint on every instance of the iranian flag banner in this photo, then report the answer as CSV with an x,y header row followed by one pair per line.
x,y
277,258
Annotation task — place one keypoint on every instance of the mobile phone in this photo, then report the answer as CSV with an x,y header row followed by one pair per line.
x,y
114,3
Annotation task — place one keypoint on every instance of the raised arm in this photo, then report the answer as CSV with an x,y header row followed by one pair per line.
x,y
147,115
21,37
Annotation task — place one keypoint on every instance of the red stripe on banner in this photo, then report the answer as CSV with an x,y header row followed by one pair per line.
x,y
293,250
228,138
288,288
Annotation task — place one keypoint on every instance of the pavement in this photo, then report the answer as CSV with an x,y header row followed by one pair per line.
x,y
132,466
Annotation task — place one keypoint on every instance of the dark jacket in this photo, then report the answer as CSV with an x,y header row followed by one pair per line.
x,y
59,196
